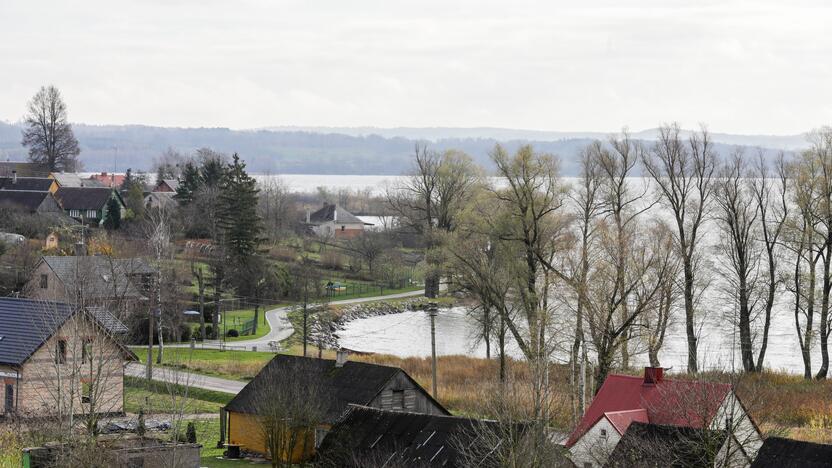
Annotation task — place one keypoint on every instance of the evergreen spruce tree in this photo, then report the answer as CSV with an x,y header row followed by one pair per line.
x,y
189,183
112,215
239,222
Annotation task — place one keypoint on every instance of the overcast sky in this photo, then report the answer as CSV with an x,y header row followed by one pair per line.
x,y
741,67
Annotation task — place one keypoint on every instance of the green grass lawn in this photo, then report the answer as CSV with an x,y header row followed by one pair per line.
x,y
235,365
158,397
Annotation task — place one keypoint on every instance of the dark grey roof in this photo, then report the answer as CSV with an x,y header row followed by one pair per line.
x,y
25,324
83,198
330,213
354,383
22,169
365,435
37,184
23,200
99,276
647,445
778,452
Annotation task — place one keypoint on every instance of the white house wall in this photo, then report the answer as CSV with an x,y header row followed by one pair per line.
x,y
593,449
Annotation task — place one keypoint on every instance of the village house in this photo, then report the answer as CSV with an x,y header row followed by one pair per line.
x,y
337,383
72,179
35,184
652,399
166,186
105,179
778,452
97,279
335,221
25,201
59,359
88,205
365,435
21,168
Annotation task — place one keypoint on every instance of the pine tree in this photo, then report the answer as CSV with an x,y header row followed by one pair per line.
x,y
239,222
189,183
112,216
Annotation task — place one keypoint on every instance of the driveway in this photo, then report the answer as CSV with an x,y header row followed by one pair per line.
x,y
281,328
190,379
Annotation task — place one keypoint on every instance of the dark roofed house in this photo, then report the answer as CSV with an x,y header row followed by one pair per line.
x,y
778,452
22,169
29,201
88,204
338,383
334,221
646,445
370,437
97,278
43,343
36,184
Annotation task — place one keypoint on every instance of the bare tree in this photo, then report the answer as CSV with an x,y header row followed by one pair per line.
x,y
684,175
821,151
288,408
48,134
430,200
771,195
737,218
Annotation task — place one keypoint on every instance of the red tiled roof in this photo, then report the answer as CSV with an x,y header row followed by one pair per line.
x,y
109,180
670,402
621,420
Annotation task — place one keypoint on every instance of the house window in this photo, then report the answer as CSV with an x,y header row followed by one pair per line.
x,y
92,214
603,433
319,436
60,352
75,213
86,351
343,228
397,402
86,392
587,465
44,281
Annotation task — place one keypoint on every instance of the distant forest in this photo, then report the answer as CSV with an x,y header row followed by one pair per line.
x,y
313,151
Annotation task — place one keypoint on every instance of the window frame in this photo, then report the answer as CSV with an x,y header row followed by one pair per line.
x,y
44,281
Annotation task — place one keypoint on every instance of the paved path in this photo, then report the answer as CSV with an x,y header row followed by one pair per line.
x,y
281,328
191,379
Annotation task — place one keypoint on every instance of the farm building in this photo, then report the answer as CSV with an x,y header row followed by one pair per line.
x,y
327,387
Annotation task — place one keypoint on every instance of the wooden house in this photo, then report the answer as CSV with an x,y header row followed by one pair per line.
x,y
88,205
336,383
55,357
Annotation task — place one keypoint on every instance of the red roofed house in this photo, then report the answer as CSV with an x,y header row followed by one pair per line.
x,y
108,179
625,399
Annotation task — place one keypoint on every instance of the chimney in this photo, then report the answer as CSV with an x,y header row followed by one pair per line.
x,y
80,249
14,177
653,375
341,357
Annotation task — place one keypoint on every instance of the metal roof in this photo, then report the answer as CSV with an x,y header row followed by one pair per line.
x,y
333,213
778,452
37,184
84,198
99,276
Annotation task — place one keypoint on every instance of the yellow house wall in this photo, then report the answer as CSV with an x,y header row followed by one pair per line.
x,y
244,430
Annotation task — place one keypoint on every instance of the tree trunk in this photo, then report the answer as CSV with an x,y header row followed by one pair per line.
x,y
201,285
690,330
746,353
772,288
824,311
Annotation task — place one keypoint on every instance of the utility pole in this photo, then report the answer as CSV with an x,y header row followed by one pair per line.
x,y
432,312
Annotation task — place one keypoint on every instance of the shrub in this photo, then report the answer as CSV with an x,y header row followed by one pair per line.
x,y
184,333
190,433
233,333
209,330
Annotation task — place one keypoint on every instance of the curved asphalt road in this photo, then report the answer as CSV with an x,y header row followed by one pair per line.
x,y
281,328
